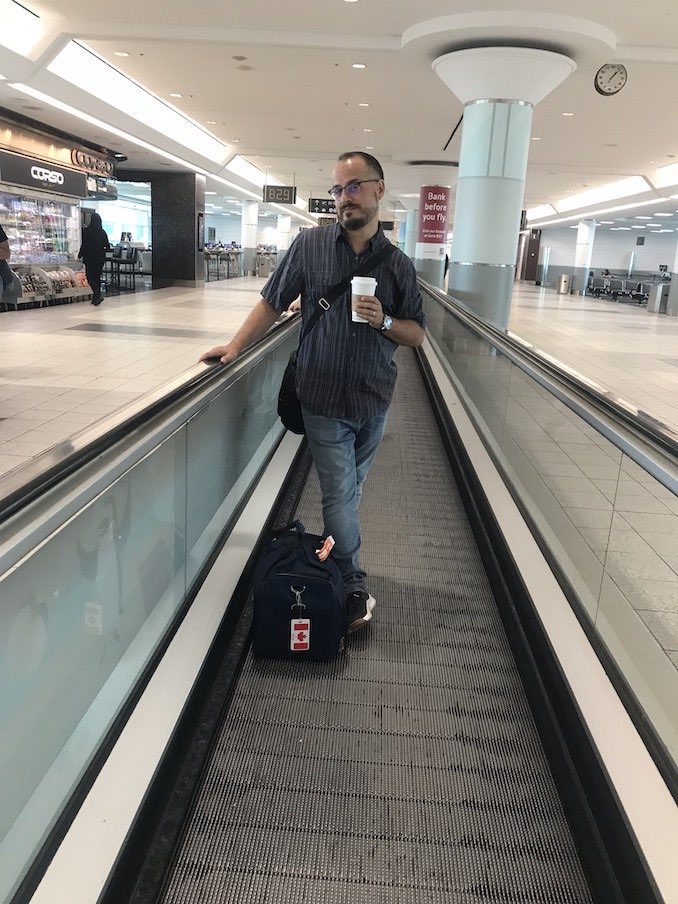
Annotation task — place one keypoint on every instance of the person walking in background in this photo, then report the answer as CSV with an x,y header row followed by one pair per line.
x,y
345,371
5,272
93,254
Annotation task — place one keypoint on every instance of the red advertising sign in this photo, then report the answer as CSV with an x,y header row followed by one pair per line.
x,y
434,206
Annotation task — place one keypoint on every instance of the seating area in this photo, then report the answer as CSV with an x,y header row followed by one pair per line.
x,y
618,289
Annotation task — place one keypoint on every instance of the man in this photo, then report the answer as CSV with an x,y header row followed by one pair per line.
x,y
345,370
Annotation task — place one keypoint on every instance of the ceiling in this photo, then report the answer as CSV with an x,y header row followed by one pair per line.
x,y
275,82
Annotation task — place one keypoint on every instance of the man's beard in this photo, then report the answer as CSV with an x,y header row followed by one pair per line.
x,y
356,218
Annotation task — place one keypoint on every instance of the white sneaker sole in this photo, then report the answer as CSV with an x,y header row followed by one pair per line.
x,y
361,622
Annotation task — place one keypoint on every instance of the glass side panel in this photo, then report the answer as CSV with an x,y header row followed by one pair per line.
x,y
83,612
611,526
80,617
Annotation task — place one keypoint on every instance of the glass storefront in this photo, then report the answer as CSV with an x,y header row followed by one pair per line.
x,y
40,230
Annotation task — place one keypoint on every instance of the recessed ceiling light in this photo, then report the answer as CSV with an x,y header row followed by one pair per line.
x,y
359,66
367,130
210,122
663,214
568,114
536,139
363,105
641,217
653,224
174,94
606,222
121,53
369,147
235,140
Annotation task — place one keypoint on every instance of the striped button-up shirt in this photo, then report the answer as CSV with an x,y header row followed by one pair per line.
x,y
344,369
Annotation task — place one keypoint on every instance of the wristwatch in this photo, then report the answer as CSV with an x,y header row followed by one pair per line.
x,y
387,324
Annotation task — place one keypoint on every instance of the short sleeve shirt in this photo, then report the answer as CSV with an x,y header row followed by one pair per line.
x,y
344,369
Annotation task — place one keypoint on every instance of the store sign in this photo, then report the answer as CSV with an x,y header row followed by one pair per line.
x,y
32,173
322,205
91,162
280,194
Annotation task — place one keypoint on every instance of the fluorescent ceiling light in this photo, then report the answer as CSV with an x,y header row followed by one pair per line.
x,y
249,171
81,67
593,213
59,105
605,222
667,175
663,214
237,188
640,217
21,29
633,185
543,210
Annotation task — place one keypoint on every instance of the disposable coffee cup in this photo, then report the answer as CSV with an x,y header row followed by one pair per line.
x,y
361,285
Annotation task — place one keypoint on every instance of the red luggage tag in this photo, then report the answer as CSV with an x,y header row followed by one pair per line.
x,y
300,635
325,549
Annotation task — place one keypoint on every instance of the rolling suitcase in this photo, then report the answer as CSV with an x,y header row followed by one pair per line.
x,y
299,598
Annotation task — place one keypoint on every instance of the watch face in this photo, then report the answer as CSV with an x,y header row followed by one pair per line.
x,y
610,78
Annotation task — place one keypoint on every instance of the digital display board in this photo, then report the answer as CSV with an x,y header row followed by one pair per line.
x,y
280,194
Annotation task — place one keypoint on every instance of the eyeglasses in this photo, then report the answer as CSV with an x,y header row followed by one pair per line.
x,y
351,189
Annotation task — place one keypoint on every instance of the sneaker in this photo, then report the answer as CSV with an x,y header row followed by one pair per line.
x,y
359,606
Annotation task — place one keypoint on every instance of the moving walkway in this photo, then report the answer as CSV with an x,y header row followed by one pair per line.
x,y
504,731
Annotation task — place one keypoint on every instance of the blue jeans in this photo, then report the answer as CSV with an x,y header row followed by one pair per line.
x,y
343,450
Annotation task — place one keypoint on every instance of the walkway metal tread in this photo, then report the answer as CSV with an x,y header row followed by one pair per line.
x,y
407,771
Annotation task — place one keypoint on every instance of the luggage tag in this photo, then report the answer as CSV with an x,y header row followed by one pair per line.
x,y
300,637
300,628
325,549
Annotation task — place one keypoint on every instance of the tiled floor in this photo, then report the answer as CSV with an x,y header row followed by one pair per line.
x,y
621,346
63,368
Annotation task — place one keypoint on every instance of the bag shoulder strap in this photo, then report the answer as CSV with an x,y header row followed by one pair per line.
x,y
336,291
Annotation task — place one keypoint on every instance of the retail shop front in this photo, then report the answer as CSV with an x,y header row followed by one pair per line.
x,y
43,181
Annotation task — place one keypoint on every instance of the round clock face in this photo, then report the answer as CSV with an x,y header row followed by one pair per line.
x,y
610,78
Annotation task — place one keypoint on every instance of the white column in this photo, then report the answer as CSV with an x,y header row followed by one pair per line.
x,y
248,239
284,226
498,87
411,232
586,231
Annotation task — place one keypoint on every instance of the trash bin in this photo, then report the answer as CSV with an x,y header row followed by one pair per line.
x,y
264,265
564,284
659,296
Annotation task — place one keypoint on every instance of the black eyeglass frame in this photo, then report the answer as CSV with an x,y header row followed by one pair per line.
x,y
337,190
